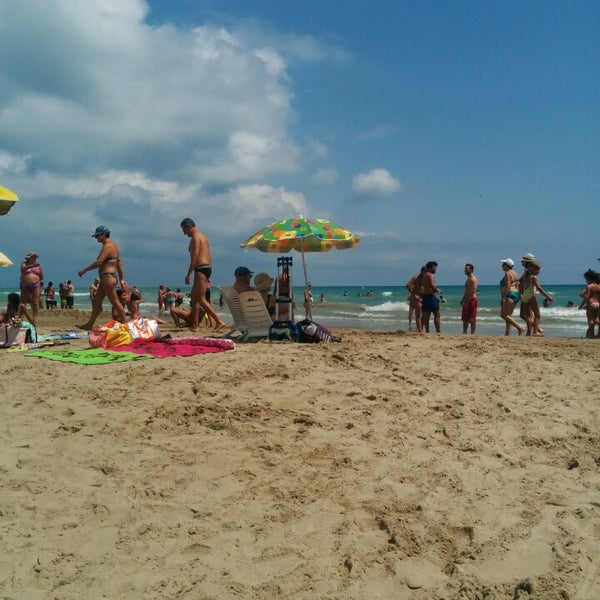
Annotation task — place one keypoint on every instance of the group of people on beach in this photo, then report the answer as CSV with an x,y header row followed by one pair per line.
x,y
424,298
424,295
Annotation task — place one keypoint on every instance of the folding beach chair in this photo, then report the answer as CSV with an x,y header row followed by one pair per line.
x,y
256,315
232,300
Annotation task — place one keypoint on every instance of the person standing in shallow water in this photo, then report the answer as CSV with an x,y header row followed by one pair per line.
x,y
509,291
431,303
201,267
110,273
469,300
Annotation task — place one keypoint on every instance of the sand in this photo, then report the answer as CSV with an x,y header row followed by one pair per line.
x,y
389,465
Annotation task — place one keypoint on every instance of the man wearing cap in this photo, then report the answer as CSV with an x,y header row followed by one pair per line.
x,y
200,266
243,275
110,273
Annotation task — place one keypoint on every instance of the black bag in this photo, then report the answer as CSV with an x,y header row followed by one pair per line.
x,y
283,330
310,332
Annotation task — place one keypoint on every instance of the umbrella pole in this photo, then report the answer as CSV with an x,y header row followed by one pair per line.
x,y
307,306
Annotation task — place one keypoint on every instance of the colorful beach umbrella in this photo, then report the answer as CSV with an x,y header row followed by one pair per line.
x,y
4,260
7,199
302,235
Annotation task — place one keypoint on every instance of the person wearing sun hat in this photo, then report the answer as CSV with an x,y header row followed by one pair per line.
x,y
509,288
262,284
527,261
110,273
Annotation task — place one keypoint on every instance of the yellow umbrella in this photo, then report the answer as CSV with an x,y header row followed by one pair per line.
x,y
4,260
7,199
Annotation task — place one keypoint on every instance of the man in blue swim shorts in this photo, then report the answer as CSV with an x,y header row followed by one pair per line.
x,y
431,303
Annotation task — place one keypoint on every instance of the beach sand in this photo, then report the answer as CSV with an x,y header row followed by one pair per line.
x,y
389,465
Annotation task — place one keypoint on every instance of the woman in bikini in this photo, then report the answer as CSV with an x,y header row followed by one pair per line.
x,y
509,288
591,302
31,282
110,272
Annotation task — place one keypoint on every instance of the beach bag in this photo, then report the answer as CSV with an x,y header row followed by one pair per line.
x,y
14,335
283,330
312,333
143,330
109,335
307,332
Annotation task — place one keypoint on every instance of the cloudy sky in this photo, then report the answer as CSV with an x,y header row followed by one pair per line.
x,y
457,132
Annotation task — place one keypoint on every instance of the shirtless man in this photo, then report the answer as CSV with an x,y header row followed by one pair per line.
x,y
415,292
110,273
431,303
200,266
469,300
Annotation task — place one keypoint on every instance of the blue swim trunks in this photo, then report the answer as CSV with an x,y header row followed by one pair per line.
x,y
431,303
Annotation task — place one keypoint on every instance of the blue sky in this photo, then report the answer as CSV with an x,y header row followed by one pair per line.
x,y
456,132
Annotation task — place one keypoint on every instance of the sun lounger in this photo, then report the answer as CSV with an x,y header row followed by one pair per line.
x,y
232,300
257,317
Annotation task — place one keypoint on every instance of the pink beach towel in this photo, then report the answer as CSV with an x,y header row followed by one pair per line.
x,y
179,347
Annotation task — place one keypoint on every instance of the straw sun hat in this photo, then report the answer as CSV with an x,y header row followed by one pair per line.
x,y
263,281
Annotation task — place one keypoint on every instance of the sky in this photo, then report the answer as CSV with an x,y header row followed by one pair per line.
x,y
450,131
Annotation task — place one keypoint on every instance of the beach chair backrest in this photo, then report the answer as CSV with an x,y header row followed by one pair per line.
x,y
231,298
258,319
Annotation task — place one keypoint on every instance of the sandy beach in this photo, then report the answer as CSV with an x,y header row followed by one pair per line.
x,y
390,465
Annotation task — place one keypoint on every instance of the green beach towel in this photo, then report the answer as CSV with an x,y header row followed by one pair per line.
x,y
90,356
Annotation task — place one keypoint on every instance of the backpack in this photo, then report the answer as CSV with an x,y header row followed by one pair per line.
x,y
313,333
283,330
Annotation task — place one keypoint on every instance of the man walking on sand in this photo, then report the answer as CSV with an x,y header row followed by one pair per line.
x,y
469,300
431,303
200,266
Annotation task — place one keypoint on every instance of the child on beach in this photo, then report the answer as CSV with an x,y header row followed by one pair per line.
x,y
16,311
529,286
591,302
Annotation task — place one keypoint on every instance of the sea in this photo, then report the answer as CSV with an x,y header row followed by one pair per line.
x,y
385,308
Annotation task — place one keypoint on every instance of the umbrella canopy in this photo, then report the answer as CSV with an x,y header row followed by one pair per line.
x,y
4,260
302,235
7,199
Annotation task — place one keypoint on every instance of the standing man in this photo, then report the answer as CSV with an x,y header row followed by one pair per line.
x,y
415,299
431,303
469,300
70,291
200,266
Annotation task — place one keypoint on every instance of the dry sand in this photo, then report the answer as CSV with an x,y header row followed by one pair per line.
x,y
386,466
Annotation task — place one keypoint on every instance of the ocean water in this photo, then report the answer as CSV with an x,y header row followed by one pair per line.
x,y
386,308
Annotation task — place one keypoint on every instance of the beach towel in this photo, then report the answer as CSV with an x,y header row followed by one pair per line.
x,y
179,347
89,356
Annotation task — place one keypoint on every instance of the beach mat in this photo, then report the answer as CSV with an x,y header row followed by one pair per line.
x,y
179,347
90,356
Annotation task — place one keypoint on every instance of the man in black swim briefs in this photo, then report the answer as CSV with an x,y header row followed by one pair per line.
x,y
200,266
206,270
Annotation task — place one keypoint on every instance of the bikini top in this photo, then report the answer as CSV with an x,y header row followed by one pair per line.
x,y
35,270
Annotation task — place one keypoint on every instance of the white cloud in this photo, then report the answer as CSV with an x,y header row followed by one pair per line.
x,y
377,182
324,177
93,87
